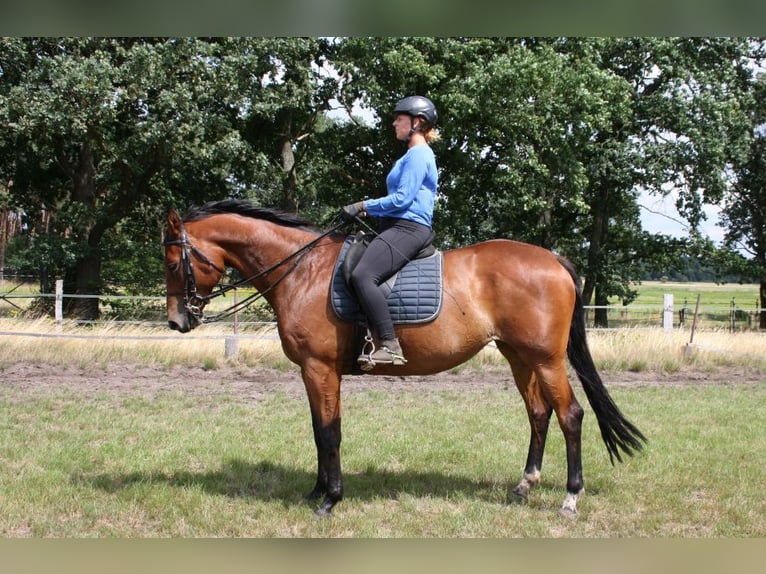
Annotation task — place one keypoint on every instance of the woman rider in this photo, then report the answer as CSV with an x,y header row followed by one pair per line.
x,y
405,217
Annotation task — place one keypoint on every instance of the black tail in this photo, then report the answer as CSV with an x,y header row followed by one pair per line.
x,y
617,431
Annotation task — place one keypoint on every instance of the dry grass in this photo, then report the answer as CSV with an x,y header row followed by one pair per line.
x,y
660,351
634,350
669,351
43,342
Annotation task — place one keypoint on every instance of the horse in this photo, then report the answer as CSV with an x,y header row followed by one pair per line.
x,y
523,298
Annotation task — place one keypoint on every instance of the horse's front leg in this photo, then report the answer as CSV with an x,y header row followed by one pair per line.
x,y
323,389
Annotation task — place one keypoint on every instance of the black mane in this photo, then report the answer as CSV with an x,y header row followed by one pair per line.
x,y
246,208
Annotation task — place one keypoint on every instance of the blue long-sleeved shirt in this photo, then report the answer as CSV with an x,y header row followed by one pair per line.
x,y
412,184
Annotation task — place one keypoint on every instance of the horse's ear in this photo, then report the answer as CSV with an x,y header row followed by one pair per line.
x,y
174,221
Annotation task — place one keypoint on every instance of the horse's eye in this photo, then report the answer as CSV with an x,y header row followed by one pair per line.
x,y
173,266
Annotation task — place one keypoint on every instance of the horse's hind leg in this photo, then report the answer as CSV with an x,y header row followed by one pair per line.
x,y
539,414
555,388
545,389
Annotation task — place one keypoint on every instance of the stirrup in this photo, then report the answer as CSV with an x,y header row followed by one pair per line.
x,y
382,356
365,360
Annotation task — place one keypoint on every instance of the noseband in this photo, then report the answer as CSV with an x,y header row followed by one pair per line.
x,y
193,302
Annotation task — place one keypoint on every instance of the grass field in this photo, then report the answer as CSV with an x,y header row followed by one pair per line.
x,y
122,462
711,294
435,464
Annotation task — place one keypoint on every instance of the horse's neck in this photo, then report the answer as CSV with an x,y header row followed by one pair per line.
x,y
264,246
267,255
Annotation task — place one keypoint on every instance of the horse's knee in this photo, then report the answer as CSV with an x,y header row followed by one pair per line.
x,y
540,417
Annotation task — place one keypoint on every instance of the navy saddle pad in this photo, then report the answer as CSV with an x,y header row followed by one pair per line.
x,y
414,293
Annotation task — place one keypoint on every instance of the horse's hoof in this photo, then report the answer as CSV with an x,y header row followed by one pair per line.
x,y
324,509
568,513
322,513
518,496
312,496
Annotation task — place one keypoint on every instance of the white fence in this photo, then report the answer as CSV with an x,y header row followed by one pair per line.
x,y
670,315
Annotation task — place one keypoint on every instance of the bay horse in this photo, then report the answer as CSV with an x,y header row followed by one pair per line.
x,y
522,297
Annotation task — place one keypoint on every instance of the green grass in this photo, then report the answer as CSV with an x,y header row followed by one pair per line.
x,y
711,294
435,464
715,306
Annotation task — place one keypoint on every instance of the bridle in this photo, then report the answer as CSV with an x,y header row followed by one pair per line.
x,y
194,303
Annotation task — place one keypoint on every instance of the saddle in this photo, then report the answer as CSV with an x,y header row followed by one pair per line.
x,y
414,294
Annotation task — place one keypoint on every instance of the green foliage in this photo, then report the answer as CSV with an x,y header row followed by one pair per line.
x,y
545,140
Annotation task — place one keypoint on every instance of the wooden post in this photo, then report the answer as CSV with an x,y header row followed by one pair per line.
x,y
231,344
667,311
688,348
59,306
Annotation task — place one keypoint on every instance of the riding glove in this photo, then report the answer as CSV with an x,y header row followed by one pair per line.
x,y
352,211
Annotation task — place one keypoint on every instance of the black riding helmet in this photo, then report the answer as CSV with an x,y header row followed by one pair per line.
x,y
417,107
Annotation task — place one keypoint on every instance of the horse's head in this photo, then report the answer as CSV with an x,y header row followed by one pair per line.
x,y
190,276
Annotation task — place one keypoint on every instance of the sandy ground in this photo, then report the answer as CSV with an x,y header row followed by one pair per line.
x,y
255,383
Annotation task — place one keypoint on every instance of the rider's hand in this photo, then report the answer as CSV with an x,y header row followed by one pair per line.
x,y
352,211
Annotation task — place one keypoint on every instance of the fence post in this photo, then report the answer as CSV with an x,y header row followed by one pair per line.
x,y
688,348
58,311
231,344
667,311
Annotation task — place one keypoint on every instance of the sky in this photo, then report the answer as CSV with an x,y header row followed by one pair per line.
x,y
659,215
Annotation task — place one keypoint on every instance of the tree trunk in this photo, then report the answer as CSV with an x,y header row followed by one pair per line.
x,y
87,270
290,182
600,317
762,320
546,235
598,234
3,241
87,282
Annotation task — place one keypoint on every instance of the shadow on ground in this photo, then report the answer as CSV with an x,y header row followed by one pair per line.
x,y
268,482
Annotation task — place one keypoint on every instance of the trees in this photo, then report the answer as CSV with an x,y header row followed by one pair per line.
x,y
99,132
93,124
744,210
543,140
550,140
680,132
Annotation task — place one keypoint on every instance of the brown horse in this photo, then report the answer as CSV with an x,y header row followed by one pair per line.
x,y
523,298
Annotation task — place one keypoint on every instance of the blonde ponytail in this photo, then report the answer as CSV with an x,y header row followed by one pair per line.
x,y
432,135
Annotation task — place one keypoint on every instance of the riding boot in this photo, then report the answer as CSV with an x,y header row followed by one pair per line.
x,y
389,353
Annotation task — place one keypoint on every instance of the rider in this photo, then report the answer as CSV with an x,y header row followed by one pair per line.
x,y
405,216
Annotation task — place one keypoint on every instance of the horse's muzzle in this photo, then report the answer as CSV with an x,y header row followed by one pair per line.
x,y
178,327
184,322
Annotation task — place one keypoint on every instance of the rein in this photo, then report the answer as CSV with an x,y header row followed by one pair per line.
x,y
194,303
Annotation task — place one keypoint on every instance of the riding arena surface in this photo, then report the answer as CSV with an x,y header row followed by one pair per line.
x,y
255,384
